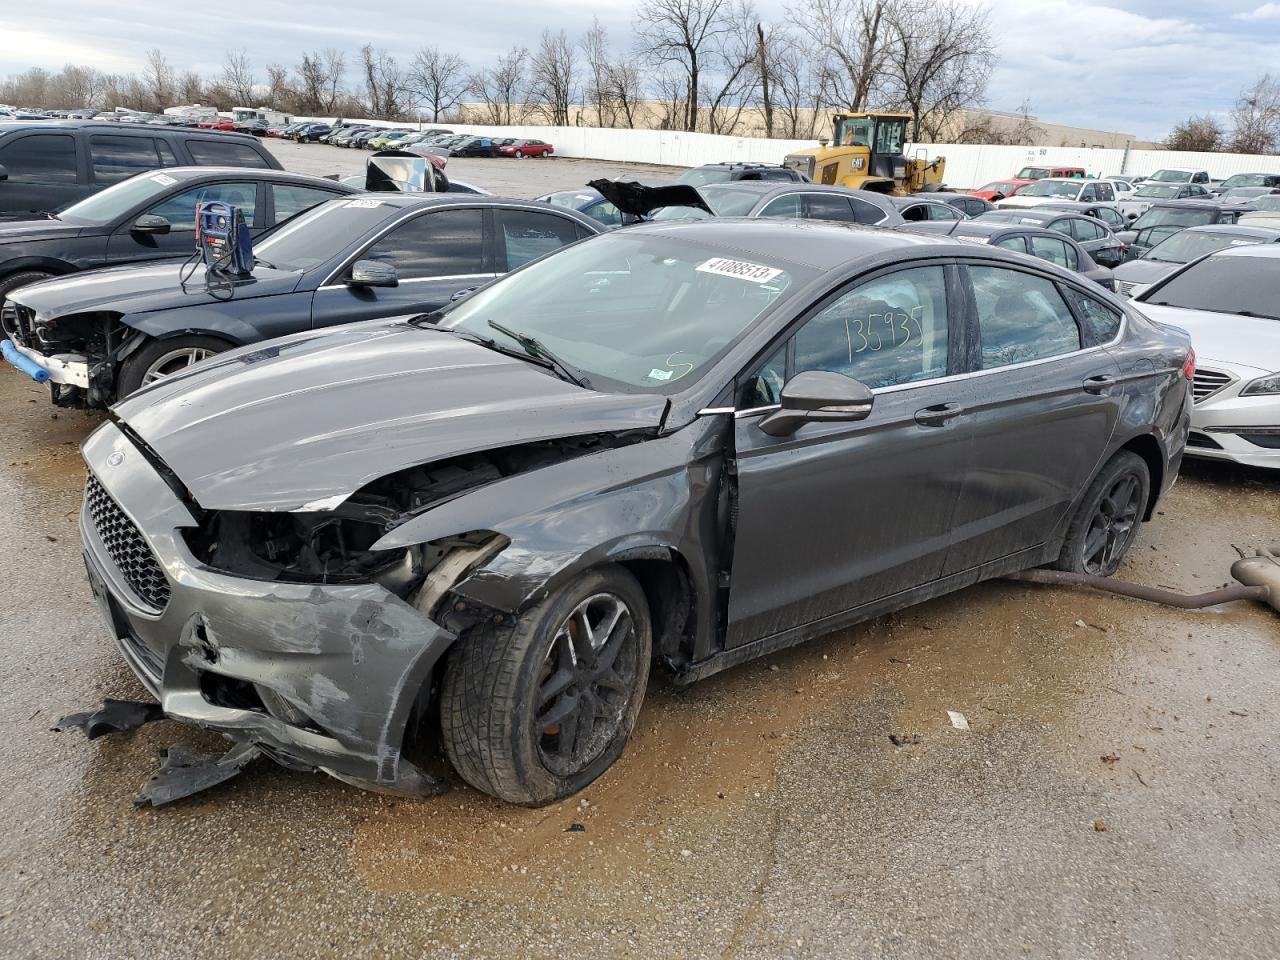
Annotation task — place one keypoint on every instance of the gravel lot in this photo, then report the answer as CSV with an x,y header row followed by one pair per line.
x,y
1116,795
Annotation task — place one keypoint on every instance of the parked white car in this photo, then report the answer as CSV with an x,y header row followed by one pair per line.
x,y
1053,189
1230,304
1180,175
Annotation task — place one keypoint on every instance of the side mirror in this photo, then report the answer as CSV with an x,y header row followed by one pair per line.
x,y
151,224
1127,236
818,396
373,273
4,174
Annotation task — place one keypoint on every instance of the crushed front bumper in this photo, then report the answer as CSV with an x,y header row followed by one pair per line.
x,y
69,369
341,666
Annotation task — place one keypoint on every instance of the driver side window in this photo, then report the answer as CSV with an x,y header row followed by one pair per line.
x,y
180,210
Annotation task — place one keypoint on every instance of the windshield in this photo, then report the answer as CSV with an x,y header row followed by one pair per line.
x,y
1188,245
321,233
631,312
725,201
699,176
1246,180
1052,188
570,199
1156,192
1172,216
1033,173
1268,202
1009,216
1223,284
106,206
1171,176
996,186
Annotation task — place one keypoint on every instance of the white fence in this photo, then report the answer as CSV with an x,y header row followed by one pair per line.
x,y
968,165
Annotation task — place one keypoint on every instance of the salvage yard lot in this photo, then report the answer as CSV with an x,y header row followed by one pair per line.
x,y
1116,793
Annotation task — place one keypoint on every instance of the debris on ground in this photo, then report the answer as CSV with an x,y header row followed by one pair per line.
x,y
114,716
1099,826
1111,759
957,720
904,740
185,772
575,828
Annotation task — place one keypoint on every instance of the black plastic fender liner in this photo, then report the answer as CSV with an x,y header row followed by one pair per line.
x,y
114,716
185,772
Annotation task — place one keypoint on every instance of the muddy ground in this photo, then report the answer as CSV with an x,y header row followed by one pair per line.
x,y
1115,795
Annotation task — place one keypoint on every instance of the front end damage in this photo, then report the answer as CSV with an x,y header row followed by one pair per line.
x,y
296,632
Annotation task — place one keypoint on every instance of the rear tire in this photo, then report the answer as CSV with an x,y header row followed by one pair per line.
x,y
519,154
160,358
534,712
1107,520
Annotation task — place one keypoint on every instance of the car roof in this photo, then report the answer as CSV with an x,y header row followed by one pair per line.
x,y
1193,203
1237,230
114,126
817,244
1267,250
1066,180
989,228
741,165
235,173
1042,211
915,198
780,187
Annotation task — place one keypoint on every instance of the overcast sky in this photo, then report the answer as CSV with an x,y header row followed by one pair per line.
x,y
1136,66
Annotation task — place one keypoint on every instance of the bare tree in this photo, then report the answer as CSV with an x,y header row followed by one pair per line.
x,y
190,87
385,84
81,86
158,76
553,77
279,91
732,77
503,89
848,37
678,35
939,58
796,85
672,90
335,69
438,80
1256,118
313,83
1200,134
237,78
594,45
626,92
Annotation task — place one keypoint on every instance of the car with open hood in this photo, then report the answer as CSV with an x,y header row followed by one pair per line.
x,y
1229,302
750,198
100,335
1135,276
690,443
151,216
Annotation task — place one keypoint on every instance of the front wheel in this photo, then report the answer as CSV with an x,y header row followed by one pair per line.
x,y
1106,522
162,358
535,712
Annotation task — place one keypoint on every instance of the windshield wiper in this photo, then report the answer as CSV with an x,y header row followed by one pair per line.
x,y
534,348
1250,313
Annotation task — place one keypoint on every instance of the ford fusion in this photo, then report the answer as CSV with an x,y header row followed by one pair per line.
x,y
692,442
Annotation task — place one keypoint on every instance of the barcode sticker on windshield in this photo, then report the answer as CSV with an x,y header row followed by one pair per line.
x,y
163,179
741,269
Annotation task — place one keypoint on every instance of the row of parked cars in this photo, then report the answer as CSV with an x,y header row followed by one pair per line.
x,y
470,465
436,140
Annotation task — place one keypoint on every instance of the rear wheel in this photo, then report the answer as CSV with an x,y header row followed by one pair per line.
x,y
519,154
535,712
162,358
1106,522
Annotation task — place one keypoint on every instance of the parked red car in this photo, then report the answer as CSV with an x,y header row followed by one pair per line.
x,y
219,123
999,189
526,148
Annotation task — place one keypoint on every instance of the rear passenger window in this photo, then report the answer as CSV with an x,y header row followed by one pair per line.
x,y
444,244
291,199
118,158
1013,243
167,157
1055,251
213,153
40,158
1021,317
826,207
866,212
529,234
787,206
1101,323
943,211
887,331
1085,230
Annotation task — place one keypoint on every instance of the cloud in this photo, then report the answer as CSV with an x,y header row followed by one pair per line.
x,y
1268,11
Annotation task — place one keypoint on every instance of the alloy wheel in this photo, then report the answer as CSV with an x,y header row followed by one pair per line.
x,y
586,683
174,361
1113,525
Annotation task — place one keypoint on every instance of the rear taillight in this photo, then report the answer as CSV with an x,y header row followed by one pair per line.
x,y
1189,368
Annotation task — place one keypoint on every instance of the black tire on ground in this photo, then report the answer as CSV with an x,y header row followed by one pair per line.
x,y
507,702
1107,520
171,353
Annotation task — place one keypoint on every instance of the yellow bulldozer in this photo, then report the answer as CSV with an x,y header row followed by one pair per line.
x,y
865,153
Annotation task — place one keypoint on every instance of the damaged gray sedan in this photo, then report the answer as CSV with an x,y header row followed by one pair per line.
x,y
690,442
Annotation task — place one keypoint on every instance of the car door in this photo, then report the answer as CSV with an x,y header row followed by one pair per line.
x,y
127,245
436,254
42,172
839,515
1042,408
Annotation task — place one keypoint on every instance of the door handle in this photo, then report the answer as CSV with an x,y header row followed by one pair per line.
x,y
938,414
1099,384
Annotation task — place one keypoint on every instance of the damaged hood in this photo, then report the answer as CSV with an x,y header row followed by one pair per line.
x,y
142,289
305,421
639,200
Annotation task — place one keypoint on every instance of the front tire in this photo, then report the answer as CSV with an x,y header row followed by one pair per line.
x,y
1106,522
158,359
21,279
535,712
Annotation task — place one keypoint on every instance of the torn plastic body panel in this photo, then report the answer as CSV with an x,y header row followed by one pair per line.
x,y
639,200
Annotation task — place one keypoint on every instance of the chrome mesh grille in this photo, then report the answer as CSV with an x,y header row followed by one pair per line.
x,y
1207,383
125,545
